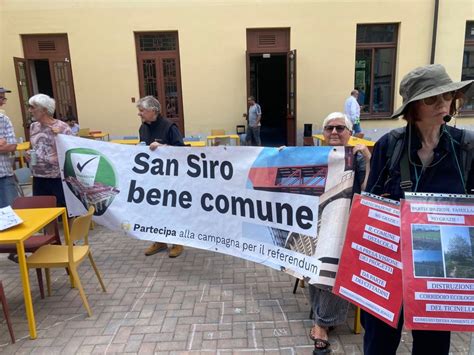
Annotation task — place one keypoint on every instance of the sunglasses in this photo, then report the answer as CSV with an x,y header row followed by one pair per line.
x,y
339,129
447,96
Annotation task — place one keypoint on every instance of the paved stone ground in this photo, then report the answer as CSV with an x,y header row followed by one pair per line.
x,y
199,303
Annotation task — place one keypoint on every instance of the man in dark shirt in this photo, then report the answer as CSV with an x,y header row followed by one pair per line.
x,y
156,131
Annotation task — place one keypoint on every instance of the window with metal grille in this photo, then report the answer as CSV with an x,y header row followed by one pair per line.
x,y
158,42
468,68
375,68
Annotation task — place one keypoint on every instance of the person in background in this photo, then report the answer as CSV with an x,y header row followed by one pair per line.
x,y
253,129
352,110
8,187
428,161
330,310
45,170
157,131
73,126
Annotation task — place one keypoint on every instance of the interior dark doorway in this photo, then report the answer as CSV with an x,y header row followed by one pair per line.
x,y
41,76
268,84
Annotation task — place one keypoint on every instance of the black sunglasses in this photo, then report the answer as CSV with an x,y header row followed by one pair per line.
x,y
339,128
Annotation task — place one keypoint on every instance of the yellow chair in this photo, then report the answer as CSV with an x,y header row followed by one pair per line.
x,y
70,256
217,132
219,141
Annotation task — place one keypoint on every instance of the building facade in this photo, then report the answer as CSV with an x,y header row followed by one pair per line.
x,y
202,59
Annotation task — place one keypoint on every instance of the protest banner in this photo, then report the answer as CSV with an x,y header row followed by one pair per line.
x,y
438,261
260,204
370,271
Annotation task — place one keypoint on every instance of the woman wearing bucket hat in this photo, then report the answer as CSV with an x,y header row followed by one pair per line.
x,y
427,159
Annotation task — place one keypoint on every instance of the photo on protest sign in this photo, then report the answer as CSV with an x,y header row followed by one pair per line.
x,y
438,257
261,204
443,251
370,271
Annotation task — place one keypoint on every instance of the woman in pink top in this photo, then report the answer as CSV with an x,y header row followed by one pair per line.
x,y
45,168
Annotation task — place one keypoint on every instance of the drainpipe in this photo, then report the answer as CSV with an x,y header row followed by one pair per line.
x,y
435,31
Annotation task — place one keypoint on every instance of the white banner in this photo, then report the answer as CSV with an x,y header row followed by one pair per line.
x,y
255,203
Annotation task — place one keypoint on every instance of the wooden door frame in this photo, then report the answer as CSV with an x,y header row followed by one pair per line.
x,y
62,55
24,113
281,47
159,56
291,129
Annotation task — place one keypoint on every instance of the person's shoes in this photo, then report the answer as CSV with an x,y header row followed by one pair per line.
x,y
175,251
321,346
155,248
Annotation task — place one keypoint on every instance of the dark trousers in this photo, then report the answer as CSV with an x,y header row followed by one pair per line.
x,y
380,338
49,187
253,136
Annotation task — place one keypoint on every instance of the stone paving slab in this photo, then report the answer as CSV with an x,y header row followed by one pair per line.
x,y
198,303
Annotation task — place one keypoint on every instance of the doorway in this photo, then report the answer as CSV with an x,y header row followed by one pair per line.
x,y
41,77
271,79
268,84
46,69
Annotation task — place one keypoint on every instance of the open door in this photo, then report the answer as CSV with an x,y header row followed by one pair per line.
x,y
63,88
24,92
291,103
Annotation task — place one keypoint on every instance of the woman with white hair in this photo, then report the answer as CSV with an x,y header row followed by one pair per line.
x,y
45,168
330,310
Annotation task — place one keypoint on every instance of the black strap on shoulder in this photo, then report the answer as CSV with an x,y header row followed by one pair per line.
x,y
397,154
395,145
467,150
405,179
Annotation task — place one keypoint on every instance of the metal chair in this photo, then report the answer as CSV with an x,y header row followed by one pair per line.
x,y
68,256
219,141
217,132
6,312
240,129
23,178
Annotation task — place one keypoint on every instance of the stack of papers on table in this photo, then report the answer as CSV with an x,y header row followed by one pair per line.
x,y
8,218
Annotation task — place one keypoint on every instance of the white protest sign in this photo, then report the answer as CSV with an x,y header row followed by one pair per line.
x,y
251,202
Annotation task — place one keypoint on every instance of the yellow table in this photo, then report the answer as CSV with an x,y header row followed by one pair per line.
x,y
126,141
33,221
210,139
100,135
195,143
20,148
352,141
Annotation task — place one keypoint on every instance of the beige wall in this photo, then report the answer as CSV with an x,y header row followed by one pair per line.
x,y
212,38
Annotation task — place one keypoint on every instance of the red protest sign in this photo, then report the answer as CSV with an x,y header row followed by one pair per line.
x,y
369,272
438,262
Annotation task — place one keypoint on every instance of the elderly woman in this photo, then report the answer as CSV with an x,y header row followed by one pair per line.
x,y
429,160
155,131
330,310
45,170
